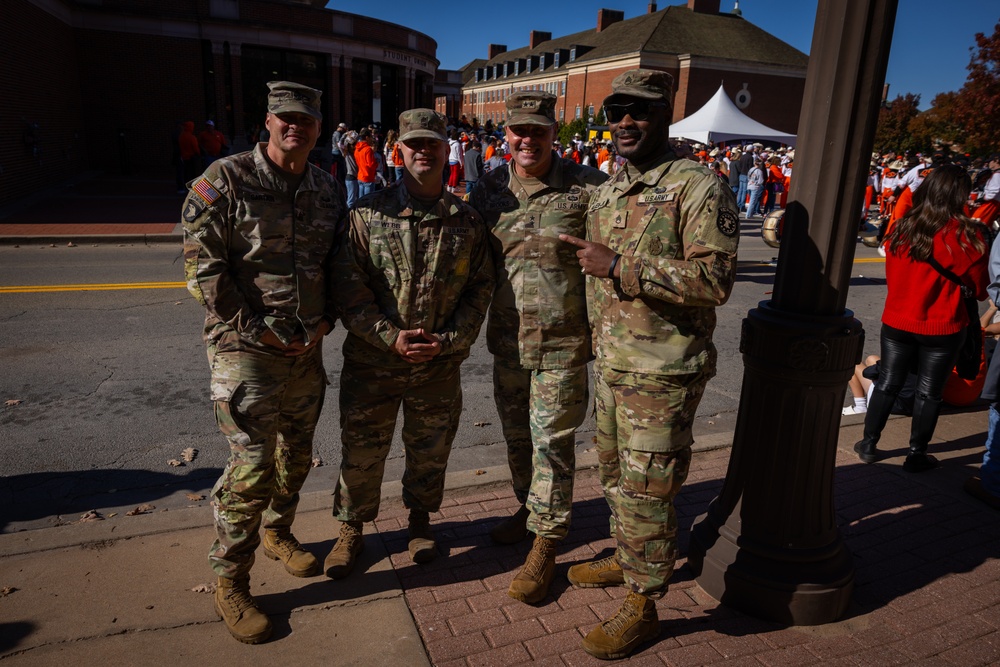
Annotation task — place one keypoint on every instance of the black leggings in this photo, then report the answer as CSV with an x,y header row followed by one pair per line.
x,y
931,358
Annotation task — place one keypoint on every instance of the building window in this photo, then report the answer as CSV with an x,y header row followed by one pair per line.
x,y
562,113
563,89
590,110
577,111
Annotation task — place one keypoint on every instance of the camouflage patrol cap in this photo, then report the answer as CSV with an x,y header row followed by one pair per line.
x,y
531,107
422,123
291,97
646,84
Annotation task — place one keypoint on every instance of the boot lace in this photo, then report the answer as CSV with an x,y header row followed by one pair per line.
x,y
349,535
627,612
605,563
240,600
286,543
540,552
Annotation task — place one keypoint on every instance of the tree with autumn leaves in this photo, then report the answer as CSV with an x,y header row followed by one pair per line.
x,y
969,117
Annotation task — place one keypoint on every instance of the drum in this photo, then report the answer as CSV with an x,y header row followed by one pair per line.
x,y
771,229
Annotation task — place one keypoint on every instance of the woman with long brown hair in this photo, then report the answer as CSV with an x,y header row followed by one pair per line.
x,y
924,319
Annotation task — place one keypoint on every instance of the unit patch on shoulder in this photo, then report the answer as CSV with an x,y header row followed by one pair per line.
x,y
205,190
727,222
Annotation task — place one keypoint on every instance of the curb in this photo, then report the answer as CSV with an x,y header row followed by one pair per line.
x,y
89,239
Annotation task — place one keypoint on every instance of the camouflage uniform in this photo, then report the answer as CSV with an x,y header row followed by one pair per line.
x,y
538,331
676,229
258,257
404,267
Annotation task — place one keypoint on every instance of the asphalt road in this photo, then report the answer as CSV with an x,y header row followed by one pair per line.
x,y
113,383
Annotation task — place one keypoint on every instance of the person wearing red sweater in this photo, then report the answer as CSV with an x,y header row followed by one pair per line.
x,y
924,319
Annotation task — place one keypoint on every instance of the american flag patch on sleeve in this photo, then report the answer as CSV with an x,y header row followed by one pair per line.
x,y
206,191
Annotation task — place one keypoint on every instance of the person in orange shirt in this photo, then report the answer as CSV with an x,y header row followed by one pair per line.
x,y
491,149
776,185
987,211
365,158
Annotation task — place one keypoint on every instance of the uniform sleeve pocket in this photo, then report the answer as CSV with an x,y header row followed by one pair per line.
x,y
661,551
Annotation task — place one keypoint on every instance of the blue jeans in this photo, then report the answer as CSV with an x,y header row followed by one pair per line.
x,y
365,189
399,172
755,196
989,473
469,185
741,193
352,191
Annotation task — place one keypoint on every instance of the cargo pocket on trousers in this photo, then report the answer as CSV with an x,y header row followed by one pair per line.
x,y
225,396
661,551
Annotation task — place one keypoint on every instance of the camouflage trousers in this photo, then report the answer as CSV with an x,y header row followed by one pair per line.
x,y
370,397
644,452
267,406
540,411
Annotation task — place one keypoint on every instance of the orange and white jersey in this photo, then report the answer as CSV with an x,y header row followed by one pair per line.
x,y
992,189
914,177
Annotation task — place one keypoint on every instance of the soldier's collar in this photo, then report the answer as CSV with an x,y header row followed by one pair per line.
x,y
631,176
269,178
446,205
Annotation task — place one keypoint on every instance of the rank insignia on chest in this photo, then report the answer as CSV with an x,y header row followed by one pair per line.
x,y
620,220
656,246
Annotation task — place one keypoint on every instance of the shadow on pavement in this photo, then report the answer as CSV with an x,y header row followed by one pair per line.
x,y
37,496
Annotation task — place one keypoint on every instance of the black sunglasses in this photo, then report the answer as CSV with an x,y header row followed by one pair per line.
x,y
638,110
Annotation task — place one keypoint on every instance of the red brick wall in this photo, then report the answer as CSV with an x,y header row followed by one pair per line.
x,y
40,86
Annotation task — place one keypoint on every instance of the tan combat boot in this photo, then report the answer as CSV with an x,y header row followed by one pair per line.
x,y
617,637
513,529
237,609
597,573
421,546
531,584
281,545
345,552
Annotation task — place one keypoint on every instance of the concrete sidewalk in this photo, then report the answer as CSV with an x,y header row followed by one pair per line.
x,y
120,590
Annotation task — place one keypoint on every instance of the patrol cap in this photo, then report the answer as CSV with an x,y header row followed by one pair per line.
x,y
422,124
291,97
645,84
531,107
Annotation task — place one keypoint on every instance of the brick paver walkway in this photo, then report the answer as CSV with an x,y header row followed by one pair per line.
x,y
927,583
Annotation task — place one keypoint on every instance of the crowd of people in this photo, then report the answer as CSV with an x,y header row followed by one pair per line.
x,y
194,152
572,254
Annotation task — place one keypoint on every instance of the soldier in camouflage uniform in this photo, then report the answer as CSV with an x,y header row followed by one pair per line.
x,y
260,233
417,278
538,331
662,253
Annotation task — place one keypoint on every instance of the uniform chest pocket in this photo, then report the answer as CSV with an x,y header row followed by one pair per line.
x,y
454,254
388,256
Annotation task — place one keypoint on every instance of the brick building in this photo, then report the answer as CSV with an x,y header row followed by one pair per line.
x,y
102,84
699,45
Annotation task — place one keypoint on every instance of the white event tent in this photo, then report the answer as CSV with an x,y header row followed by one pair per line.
x,y
720,120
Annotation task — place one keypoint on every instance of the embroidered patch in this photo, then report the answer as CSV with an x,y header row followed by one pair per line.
x,y
570,206
193,208
727,222
620,220
656,246
657,197
206,191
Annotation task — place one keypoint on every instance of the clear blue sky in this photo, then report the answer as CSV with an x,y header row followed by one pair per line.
x,y
930,48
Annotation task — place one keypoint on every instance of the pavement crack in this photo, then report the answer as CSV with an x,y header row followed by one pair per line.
x,y
13,316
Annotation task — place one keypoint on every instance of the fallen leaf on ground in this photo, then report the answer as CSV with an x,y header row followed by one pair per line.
x,y
204,588
13,401
317,462
6,590
189,454
482,424
177,303
111,514
480,472
92,515
589,449
175,463
194,496
70,245
141,509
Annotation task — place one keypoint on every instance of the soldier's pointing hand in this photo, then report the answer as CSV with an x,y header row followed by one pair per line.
x,y
595,259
